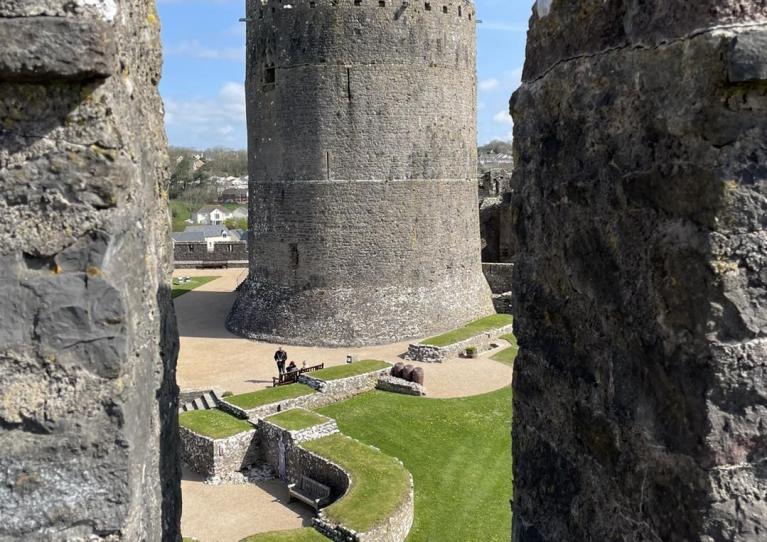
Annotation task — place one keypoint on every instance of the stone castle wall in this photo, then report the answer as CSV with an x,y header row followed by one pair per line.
x,y
196,254
218,458
499,276
639,284
372,231
88,343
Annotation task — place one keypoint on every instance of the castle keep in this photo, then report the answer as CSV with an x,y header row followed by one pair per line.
x,y
368,232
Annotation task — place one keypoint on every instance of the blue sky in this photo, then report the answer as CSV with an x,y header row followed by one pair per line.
x,y
204,69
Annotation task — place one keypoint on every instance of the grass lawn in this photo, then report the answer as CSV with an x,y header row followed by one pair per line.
x,y
470,330
195,282
267,396
380,482
213,423
509,354
297,418
180,212
350,369
458,450
296,535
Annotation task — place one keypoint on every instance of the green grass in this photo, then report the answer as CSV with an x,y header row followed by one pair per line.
x,y
180,212
213,423
380,483
267,396
509,354
458,450
296,419
296,535
195,282
349,369
470,330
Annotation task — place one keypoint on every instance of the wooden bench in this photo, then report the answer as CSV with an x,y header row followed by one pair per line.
x,y
292,377
311,492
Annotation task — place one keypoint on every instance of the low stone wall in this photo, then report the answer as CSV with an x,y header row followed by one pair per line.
x,y
216,458
344,387
400,385
438,354
280,450
394,529
192,254
498,276
309,402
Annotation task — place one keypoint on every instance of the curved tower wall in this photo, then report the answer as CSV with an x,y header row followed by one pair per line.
x,y
362,135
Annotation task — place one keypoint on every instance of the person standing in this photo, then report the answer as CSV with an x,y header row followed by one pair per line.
x,y
280,356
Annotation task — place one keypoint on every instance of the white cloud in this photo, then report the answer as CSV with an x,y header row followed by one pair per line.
x,y
195,49
207,122
509,136
488,85
503,117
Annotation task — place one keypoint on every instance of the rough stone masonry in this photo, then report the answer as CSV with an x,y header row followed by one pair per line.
x,y
640,393
88,345
369,234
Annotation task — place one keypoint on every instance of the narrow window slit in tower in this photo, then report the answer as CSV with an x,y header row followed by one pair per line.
x,y
357,2
260,13
427,6
460,11
294,256
270,76
470,16
381,3
327,162
349,83
444,9
312,4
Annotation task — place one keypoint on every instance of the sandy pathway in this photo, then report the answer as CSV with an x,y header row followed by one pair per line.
x,y
211,357
230,512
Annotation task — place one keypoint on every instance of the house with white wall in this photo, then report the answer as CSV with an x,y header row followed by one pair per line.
x,y
216,215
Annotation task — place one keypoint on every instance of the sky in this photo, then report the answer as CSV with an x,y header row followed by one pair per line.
x,y
204,70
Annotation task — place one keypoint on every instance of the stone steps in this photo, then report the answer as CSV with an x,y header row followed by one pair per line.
x,y
206,401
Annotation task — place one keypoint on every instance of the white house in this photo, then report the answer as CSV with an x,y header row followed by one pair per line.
x,y
216,215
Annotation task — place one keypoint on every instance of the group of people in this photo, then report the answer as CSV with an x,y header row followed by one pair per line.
x,y
281,357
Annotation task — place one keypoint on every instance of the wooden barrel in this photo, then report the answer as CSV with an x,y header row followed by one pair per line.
x,y
407,372
417,376
396,371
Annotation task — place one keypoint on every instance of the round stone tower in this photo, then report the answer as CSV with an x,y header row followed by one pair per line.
x,y
363,196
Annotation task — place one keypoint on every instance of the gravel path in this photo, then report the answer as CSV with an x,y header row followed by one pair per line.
x,y
230,512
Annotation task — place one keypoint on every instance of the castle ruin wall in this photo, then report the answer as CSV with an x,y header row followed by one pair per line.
x,y
88,345
640,293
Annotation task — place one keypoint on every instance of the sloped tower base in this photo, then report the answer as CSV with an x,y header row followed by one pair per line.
x,y
354,317
400,273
